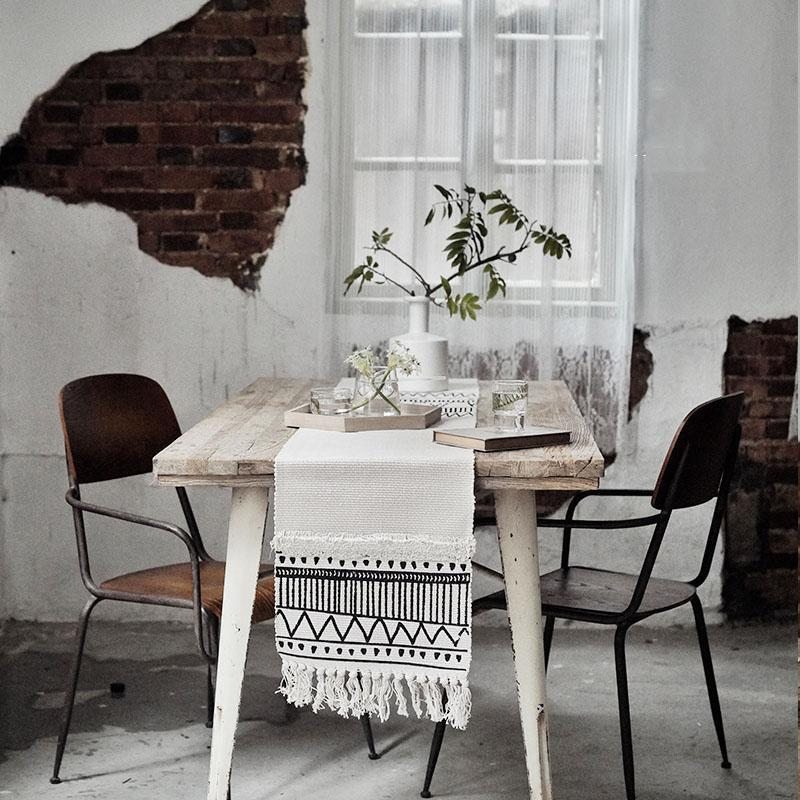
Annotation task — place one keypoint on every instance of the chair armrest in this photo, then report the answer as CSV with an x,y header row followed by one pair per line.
x,y
127,516
569,521
600,524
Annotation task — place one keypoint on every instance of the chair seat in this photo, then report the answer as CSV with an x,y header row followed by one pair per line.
x,y
174,582
580,590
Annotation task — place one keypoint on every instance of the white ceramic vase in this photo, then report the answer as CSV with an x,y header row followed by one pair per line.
x,y
430,349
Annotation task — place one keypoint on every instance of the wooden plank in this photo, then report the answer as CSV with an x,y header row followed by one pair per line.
x,y
237,444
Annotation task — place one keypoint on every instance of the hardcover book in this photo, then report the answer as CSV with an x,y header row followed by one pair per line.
x,y
489,440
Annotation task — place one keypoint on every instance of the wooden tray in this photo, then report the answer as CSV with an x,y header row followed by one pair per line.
x,y
412,416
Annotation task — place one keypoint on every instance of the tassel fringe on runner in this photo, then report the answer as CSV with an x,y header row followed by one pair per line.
x,y
353,694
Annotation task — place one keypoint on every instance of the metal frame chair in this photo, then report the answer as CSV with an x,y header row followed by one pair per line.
x,y
698,468
113,425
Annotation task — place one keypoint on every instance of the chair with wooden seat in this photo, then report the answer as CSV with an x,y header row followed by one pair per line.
x,y
113,425
697,469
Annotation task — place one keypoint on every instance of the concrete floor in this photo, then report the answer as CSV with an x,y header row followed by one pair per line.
x,y
153,744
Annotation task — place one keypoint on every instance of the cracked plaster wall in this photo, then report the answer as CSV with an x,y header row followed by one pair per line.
x,y
717,161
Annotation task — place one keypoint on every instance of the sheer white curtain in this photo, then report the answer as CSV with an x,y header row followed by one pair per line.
x,y
535,97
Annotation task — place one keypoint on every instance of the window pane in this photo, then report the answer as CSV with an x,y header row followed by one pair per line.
x,y
408,16
563,17
533,76
408,97
565,198
399,199
576,100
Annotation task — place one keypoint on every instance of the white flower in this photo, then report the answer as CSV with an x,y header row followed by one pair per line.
x,y
402,359
362,361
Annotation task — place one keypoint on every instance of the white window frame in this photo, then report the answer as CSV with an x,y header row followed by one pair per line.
x,y
614,215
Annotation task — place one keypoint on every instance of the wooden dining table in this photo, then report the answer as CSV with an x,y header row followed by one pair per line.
x,y
236,446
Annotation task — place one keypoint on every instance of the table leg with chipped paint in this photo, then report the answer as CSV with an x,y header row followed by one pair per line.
x,y
245,539
519,549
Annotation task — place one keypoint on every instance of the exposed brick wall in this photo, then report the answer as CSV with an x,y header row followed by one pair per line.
x,y
761,536
196,134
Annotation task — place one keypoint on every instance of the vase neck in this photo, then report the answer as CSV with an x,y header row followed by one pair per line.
x,y
418,314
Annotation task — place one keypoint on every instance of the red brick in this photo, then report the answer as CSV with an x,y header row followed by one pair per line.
x,y
177,177
123,155
179,221
229,25
179,112
270,114
237,219
239,241
121,113
280,49
786,326
77,91
775,408
131,67
232,200
123,178
753,429
777,428
179,46
783,541
259,157
186,134
180,241
69,114
744,344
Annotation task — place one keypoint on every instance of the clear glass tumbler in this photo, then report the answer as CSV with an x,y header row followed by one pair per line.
x,y
377,395
509,403
330,400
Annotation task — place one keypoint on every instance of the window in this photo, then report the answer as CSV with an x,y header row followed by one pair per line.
x,y
535,97
531,96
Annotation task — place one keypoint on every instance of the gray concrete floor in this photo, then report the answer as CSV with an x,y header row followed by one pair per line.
x,y
153,744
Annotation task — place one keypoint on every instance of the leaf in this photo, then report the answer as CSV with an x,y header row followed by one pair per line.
x,y
431,215
494,288
469,190
442,191
446,286
498,208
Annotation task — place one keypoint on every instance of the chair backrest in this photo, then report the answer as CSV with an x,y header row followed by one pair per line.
x,y
113,426
700,452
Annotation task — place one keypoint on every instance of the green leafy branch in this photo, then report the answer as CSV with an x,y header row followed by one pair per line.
x,y
465,248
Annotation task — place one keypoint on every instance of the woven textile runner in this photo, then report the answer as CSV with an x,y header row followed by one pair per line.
x,y
373,541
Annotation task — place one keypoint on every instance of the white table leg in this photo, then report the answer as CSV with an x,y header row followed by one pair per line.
x,y
519,550
245,539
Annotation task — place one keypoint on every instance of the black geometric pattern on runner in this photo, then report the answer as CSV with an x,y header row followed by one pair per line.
x,y
402,594
416,636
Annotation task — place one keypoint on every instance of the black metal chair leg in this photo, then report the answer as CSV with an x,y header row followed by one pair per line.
x,y
624,711
549,624
367,726
72,685
433,757
711,682
213,638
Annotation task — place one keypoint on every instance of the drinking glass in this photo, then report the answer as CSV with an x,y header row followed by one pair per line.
x,y
509,403
330,400
377,395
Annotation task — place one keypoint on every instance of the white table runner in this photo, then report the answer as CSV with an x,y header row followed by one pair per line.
x,y
372,547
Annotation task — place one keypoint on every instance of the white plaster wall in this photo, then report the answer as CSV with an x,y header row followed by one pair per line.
x,y
717,162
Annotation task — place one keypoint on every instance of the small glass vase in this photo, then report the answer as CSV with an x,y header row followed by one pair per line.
x,y
377,395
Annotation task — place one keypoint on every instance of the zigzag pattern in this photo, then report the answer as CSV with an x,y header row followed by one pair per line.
x,y
331,625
